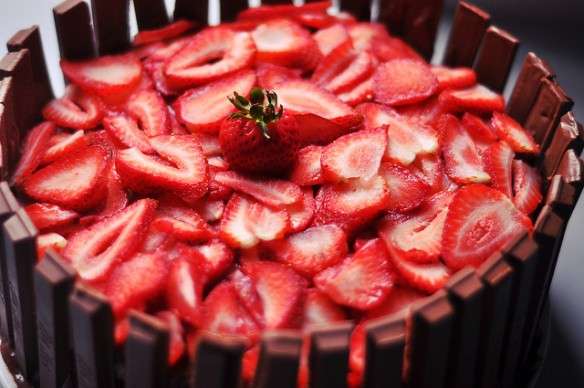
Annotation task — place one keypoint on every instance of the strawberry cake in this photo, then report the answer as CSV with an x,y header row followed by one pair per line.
x,y
286,172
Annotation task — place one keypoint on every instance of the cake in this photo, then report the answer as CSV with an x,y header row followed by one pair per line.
x,y
291,198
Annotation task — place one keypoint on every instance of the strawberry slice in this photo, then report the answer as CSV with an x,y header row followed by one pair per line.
x,y
215,258
308,170
498,159
210,210
270,75
397,304
268,12
184,290
480,221
210,55
116,198
366,35
53,241
245,223
111,77
46,216
176,344
75,109
271,192
183,223
514,134
183,168
428,278
356,155
94,251
75,181
430,168
249,296
203,109
125,129
63,144
357,356
406,190
210,144
320,310
249,363
148,108
169,31
333,64
302,213
317,130
36,143
359,94
136,281
476,99
480,132
313,250
427,112
155,70
462,160
281,291
361,281
331,37
403,82
454,78
526,186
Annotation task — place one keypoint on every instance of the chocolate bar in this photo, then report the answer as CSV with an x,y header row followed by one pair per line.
x,y
430,331
111,24
420,25
568,135
561,197
230,9
497,277
150,14
571,168
20,250
92,329
329,356
468,28
74,32
53,283
391,14
8,205
279,360
146,352
465,292
9,134
384,349
360,9
217,362
495,58
195,10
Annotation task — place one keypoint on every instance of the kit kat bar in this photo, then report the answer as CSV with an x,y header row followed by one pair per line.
x,y
111,21
272,2
430,334
392,15
329,356
92,330
420,25
571,168
527,86
384,349
8,205
74,31
150,14
279,360
468,28
231,8
568,135
146,352
360,9
195,10
561,197
496,276
495,58
465,292
20,250
217,362
53,283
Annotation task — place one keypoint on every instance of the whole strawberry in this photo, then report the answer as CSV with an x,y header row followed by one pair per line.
x,y
259,138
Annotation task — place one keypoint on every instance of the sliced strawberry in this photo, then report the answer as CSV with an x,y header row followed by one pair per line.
x,y
155,70
359,94
302,213
36,143
308,171
313,250
169,31
184,290
183,223
480,132
215,259
210,55
272,192
403,82
513,133
75,181
361,281
249,296
356,155
427,112
176,343
317,130
365,35
330,38
320,310
406,190
477,99
210,210
148,108
95,251
217,192
333,64
249,363
168,50
204,108
424,277
315,20
270,75
397,304
125,129
209,143
65,145
268,12
462,160
454,78
430,168
183,168
53,241
112,77
480,221
387,48
526,186
46,216
357,356
75,109
498,159
136,281
116,198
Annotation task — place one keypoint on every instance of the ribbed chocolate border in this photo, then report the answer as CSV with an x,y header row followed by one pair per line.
x,y
360,9
384,352
74,32
466,34
279,360
230,9
329,356
111,23
150,14
18,66
568,135
8,205
195,10
495,58
217,362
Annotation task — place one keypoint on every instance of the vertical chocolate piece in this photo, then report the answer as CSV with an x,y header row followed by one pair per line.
x,y
146,352
20,248
217,362
392,15
420,25
527,86
150,14
384,344
8,205
431,329
74,32
468,28
568,135
495,58
230,9
111,21
329,356
92,330
561,197
497,277
279,360
360,9
7,127
196,10
571,168
270,2
465,292
545,114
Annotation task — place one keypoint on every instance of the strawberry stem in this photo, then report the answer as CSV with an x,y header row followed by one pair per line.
x,y
257,109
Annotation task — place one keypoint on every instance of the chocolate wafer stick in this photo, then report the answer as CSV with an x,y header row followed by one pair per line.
x,y
92,330
495,58
230,9
568,135
392,14
279,360
360,9
468,29
561,197
150,14
420,25
384,350
8,205
74,32
217,362
329,356
112,25
10,135
269,2
195,10
571,168
20,249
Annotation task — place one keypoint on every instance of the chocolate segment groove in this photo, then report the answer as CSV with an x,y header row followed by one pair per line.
x,y
495,58
230,9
